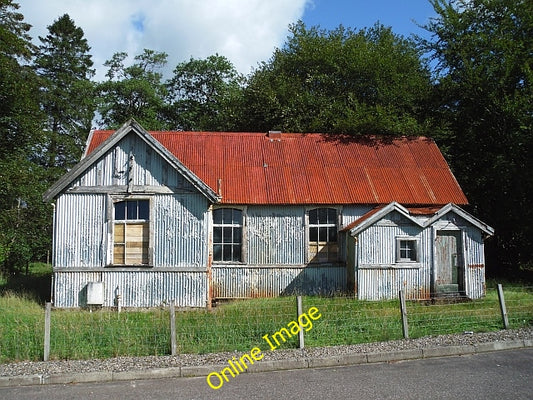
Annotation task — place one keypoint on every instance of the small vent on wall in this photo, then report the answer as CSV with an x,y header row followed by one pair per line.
x,y
95,293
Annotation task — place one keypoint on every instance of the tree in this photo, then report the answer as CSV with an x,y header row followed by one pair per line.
x,y
483,54
341,81
67,95
22,237
19,111
136,91
204,95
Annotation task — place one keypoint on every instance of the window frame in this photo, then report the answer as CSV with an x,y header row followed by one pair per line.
x,y
146,222
232,244
416,248
314,257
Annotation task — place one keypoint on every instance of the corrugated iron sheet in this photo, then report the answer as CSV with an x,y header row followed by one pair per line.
x,y
148,288
271,281
80,231
251,168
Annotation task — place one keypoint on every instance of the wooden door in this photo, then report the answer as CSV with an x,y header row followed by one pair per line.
x,y
448,268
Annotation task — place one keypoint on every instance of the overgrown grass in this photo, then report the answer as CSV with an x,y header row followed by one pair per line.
x,y
240,325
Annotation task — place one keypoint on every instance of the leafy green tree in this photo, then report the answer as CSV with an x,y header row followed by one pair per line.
x,y
341,81
483,50
22,236
204,95
135,91
64,65
19,110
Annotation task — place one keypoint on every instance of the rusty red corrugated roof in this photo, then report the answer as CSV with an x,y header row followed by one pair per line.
x,y
253,168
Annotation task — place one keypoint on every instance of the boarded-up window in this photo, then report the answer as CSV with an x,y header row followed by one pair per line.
x,y
227,234
323,242
131,235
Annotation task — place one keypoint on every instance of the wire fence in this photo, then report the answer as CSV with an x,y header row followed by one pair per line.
x,y
242,325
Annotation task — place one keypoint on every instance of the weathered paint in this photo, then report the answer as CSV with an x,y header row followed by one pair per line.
x,y
252,168
182,173
475,287
146,168
180,230
382,283
275,235
137,288
238,281
80,230
379,276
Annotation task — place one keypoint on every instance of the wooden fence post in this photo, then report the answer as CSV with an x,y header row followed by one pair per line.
x,y
47,316
502,307
298,313
173,343
403,309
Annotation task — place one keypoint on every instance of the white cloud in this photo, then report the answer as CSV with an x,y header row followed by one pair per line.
x,y
244,31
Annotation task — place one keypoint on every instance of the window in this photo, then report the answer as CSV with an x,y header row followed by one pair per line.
x,y
323,245
406,250
227,234
131,234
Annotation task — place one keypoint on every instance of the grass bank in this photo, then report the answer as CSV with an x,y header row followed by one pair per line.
x,y
240,325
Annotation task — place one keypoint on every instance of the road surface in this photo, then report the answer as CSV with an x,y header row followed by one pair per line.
x,y
496,375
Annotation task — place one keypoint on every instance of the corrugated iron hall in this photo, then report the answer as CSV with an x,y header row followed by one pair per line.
x,y
146,218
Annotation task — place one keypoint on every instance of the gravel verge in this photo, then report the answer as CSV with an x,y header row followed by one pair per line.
x,y
122,364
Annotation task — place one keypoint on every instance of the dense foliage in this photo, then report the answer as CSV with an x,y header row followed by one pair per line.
x,y
473,95
484,50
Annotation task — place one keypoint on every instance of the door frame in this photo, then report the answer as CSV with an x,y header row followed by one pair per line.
x,y
461,273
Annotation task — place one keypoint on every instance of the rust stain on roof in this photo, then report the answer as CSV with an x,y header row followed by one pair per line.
x,y
253,168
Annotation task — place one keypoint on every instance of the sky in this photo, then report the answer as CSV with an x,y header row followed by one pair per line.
x,y
244,31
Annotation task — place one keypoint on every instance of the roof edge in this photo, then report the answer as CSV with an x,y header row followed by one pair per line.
x,y
130,126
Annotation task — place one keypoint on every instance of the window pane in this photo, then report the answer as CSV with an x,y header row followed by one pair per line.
x,y
217,216
217,252
332,216
313,234
332,234
237,217
226,253
237,235
236,253
322,234
226,235
217,234
226,217
313,216
322,215
131,209
120,211
144,209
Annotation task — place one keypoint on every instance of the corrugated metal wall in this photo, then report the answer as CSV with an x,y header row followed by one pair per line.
x,y
148,288
148,168
181,226
385,283
80,231
275,235
475,263
378,275
238,281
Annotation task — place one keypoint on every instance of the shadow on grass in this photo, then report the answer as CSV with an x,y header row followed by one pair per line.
x,y
35,284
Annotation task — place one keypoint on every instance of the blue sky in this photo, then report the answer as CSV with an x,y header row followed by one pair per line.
x,y
244,31
401,15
